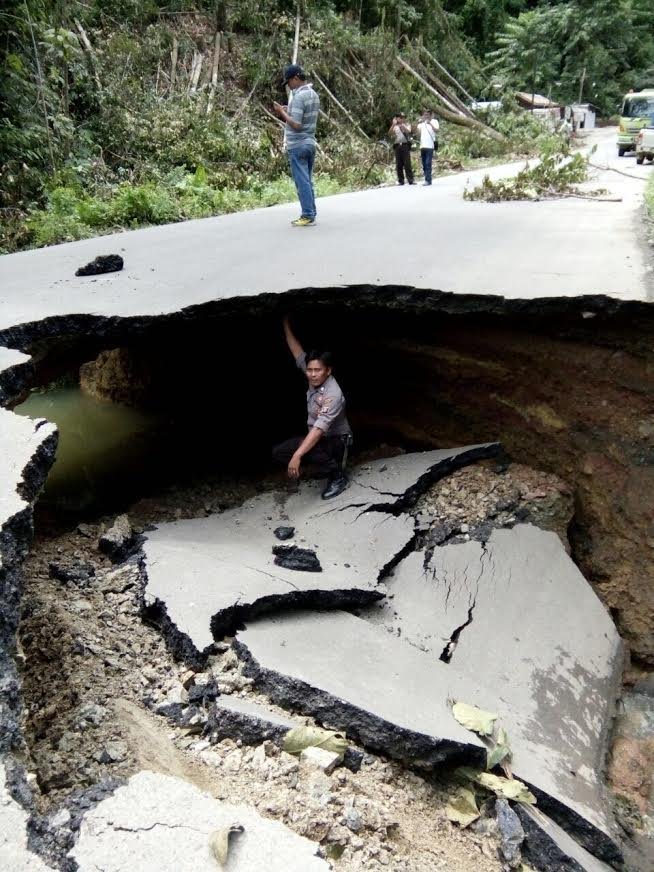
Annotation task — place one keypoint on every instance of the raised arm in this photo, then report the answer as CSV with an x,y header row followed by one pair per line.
x,y
293,345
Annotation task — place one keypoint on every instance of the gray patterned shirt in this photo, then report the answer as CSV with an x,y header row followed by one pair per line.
x,y
304,109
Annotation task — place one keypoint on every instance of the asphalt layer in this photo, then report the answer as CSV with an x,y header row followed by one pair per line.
x,y
422,237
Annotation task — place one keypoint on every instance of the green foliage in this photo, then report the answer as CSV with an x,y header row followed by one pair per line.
x,y
96,135
649,199
580,49
555,174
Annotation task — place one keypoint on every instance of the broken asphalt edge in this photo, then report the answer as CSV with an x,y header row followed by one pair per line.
x,y
114,329
361,726
228,620
414,749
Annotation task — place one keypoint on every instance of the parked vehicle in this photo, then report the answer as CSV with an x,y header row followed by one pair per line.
x,y
637,112
645,143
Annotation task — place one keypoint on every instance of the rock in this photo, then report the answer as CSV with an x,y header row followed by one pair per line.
x,y
631,768
117,542
86,530
284,532
113,752
299,559
511,833
90,713
645,685
352,819
157,822
78,573
319,758
103,263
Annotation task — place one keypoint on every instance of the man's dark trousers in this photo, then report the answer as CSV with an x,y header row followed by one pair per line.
x,y
426,156
403,162
327,455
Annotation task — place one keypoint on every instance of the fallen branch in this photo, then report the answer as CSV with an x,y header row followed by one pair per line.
x,y
619,172
88,50
448,75
341,107
455,118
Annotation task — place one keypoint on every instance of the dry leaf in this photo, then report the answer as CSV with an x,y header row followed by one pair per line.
x,y
462,807
473,718
510,788
219,843
299,738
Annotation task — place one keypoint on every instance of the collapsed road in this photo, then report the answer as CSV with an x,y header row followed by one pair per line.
x,y
416,605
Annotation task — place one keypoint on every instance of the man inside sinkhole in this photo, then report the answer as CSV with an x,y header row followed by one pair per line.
x,y
329,435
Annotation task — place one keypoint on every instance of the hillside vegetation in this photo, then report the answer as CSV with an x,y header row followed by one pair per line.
x,y
123,113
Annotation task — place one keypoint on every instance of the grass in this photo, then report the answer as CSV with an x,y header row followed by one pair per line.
x,y
649,199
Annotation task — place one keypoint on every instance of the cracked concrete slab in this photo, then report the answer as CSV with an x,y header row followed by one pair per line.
x,y
21,440
252,723
353,676
556,659
533,643
14,853
157,822
211,573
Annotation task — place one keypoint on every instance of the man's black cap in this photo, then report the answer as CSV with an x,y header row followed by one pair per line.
x,y
293,70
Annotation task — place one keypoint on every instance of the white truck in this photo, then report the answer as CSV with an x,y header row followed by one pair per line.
x,y
645,144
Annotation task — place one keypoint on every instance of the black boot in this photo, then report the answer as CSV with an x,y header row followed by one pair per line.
x,y
335,486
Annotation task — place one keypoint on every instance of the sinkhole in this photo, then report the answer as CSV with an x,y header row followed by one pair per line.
x,y
565,385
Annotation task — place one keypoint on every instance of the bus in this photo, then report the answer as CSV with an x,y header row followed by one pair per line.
x,y
637,111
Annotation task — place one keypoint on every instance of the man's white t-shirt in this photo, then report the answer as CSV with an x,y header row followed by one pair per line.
x,y
428,133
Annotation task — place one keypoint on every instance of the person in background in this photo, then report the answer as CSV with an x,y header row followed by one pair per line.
x,y
300,139
428,129
400,131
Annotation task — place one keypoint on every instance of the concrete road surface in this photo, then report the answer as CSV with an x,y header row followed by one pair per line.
x,y
416,236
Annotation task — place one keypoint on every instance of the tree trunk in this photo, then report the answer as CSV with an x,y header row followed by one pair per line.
x,y
340,106
462,120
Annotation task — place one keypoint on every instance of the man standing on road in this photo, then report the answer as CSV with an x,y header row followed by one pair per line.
x,y
428,129
300,139
400,132
329,433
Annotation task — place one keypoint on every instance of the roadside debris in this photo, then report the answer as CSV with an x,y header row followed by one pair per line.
x,y
219,842
103,263
300,559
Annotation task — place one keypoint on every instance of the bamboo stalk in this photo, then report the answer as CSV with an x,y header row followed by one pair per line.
x,y
196,69
88,49
448,75
454,117
173,63
214,72
296,38
340,106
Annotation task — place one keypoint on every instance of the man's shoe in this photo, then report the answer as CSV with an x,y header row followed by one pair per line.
x,y
303,222
335,486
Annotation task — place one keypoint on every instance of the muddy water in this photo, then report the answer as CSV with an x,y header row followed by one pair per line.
x,y
102,446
